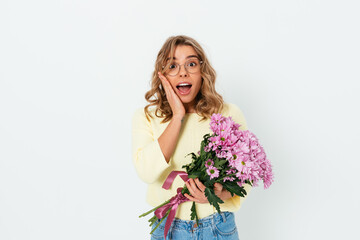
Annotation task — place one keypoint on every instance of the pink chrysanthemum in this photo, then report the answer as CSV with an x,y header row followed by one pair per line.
x,y
241,149
209,163
212,172
228,179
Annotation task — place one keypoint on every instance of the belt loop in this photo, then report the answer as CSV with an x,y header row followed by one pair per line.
x,y
223,216
213,224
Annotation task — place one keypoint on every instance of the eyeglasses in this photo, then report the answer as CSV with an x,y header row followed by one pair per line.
x,y
191,66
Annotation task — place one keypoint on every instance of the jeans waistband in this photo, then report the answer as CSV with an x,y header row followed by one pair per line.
x,y
203,222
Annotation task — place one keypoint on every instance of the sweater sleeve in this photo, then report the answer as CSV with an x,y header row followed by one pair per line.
x,y
237,200
148,158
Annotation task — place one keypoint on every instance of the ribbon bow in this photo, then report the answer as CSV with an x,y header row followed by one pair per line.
x,y
174,201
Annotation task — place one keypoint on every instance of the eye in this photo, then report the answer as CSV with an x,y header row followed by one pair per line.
x,y
172,66
192,64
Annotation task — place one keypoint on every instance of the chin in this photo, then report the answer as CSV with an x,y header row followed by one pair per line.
x,y
186,99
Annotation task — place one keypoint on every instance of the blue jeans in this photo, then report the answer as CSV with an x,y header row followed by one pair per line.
x,y
216,226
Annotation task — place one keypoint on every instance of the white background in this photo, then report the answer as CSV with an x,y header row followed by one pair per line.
x,y
73,72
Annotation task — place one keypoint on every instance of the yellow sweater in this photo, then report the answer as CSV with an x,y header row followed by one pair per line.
x,y
153,169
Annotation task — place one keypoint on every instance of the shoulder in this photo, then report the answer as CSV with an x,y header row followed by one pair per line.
x,y
231,108
234,111
138,112
140,116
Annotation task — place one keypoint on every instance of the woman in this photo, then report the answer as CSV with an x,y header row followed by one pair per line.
x,y
183,98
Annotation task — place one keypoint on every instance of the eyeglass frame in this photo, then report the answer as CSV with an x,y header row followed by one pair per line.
x,y
200,62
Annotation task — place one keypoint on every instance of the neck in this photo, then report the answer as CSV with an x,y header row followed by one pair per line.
x,y
189,108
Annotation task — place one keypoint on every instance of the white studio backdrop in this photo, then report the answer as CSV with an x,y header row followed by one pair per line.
x,y
73,72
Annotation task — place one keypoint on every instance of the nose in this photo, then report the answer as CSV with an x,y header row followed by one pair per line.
x,y
182,71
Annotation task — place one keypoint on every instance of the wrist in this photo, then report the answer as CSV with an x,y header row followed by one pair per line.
x,y
178,117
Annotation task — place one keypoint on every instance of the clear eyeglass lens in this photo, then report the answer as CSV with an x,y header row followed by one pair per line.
x,y
192,66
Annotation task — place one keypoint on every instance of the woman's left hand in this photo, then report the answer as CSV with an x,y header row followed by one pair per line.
x,y
197,190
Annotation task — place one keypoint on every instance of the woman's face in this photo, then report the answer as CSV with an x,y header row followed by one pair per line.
x,y
185,84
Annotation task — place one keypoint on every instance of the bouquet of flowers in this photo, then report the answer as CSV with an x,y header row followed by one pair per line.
x,y
228,156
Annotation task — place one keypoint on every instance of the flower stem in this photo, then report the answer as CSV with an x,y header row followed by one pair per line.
x,y
152,220
144,214
184,190
167,213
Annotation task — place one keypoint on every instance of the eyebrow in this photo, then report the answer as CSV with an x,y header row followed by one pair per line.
x,y
190,56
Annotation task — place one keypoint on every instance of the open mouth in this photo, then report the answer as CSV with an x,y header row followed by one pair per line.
x,y
184,88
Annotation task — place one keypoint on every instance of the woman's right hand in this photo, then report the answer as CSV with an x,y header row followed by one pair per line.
x,y
176,105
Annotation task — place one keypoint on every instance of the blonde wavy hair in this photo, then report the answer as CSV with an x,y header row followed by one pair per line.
x,y
208,101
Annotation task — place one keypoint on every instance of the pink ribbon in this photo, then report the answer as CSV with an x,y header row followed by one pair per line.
x,y
174,201
169,180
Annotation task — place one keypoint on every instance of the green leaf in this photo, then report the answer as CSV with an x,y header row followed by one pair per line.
x,y
192,154
206,137
220,163
233,187
194,214
190,165
248,182
193,176
202,145
213,199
